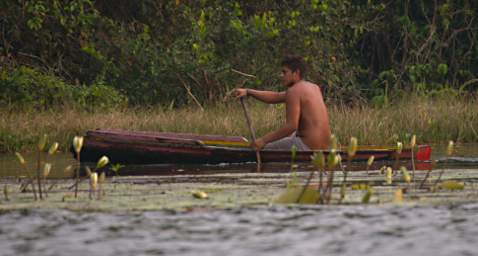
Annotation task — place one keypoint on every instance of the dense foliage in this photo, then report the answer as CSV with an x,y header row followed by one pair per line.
x,y
27,89
173,52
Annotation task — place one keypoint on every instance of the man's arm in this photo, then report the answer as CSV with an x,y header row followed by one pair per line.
x,y
292,121
264,96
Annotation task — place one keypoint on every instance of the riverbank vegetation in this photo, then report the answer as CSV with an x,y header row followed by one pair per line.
x,y
176,53
387,70
432,120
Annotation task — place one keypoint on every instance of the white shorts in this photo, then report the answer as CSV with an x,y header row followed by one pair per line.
x,y
287,143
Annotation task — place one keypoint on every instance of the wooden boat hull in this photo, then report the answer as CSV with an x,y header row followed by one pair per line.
x,y
176,148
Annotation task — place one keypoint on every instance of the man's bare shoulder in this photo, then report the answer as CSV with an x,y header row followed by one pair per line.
x,y
301,87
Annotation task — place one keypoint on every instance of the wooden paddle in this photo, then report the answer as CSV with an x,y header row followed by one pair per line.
x,y
253,132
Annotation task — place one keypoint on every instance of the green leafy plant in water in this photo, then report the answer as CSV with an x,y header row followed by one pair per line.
x,y
96,180
366,197
116,167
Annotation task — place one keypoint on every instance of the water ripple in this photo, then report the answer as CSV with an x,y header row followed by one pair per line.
x,y
324,230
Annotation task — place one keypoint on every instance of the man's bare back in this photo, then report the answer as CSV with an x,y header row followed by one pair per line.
x,y
314,128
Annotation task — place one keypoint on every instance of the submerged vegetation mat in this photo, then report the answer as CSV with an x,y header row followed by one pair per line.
x,y
184,192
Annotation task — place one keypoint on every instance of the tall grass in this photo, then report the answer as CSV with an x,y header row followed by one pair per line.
x,y
433,121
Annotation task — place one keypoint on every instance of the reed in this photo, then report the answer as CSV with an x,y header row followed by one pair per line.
x,y
449,152
5,192
41,174
433,121
30,177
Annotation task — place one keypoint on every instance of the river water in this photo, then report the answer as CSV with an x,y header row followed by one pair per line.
x,y
386,229
332,230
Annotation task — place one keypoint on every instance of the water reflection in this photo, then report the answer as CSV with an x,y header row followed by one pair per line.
x,y
466,157
338,230
9,165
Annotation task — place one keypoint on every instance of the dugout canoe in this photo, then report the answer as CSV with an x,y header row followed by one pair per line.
x,y
144,148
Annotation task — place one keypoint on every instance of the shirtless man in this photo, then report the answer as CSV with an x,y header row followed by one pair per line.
x,y
307,121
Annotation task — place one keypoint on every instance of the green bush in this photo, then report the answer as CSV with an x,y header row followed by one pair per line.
x,y
98,96
29,89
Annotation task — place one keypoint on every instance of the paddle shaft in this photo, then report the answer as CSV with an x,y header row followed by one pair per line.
x,y
253,132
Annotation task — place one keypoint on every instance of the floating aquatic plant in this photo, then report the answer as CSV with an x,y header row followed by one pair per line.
x,y
293,155
398,196
413,141
333,159
428,173
370,162
116,167
53,148
45,173
101,180
399,147
20,158
351,150
449,152
93,183
200,195
104,160
297,194
451,185
398,152
318,160
406,175
77,145
41,172
30,177
360,186
41,146
388,175
366,197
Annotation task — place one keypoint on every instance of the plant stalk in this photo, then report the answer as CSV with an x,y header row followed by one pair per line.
x,y
38,174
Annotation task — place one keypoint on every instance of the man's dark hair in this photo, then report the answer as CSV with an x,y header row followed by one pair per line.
x,y
294,63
